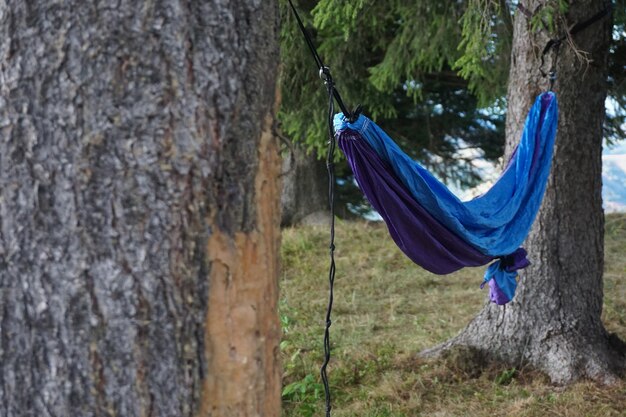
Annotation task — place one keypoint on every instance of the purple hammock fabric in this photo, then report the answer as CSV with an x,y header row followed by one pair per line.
x,y
438,250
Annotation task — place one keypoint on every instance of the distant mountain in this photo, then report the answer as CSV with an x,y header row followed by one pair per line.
x,y
614,178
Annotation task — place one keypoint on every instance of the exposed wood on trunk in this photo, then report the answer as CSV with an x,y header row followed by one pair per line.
x,y
134,141
242,328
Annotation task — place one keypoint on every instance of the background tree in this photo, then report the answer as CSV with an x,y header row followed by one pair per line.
x,y
138,209
304,196
554,323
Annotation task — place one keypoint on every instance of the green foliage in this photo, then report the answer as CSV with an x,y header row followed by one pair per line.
x,y
382,55
485,46
396,59
433,74
304,394
616,120
547,16
506,377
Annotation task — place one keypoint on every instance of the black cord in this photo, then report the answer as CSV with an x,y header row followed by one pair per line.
x,y
593,19
307,38
324,71
333,95
330,165
555,43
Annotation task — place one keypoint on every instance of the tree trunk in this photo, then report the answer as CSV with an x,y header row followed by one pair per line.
x,y
138,209
554,322
304,197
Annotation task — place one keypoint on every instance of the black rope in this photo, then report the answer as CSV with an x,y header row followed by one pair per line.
x,y
551,74
555,43
330,165
593,19
324,71
307,38
333,95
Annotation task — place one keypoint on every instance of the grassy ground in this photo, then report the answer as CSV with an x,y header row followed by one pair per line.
x,y
387,309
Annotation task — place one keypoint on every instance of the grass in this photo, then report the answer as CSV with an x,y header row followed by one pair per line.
x,y
387,309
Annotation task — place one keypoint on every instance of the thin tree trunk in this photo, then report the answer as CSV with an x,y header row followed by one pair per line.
x,y
554,322
304,197
138,209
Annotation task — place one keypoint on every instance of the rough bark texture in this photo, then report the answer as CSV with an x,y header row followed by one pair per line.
x,y
138,208
554,322
304,197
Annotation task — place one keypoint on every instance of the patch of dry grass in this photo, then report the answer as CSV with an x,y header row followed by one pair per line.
x,y
387,309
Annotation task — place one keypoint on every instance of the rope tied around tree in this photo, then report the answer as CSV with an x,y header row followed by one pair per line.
x,y
555,43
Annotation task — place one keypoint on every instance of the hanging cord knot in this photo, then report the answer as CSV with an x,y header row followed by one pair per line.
x,y
355,114
514,261
326,76
553,44
556,42
552,77
501,276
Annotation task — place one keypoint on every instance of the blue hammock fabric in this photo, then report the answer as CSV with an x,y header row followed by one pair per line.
x,y
431,225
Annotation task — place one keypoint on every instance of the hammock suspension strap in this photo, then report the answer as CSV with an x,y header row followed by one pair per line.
x,y
555,43
330,166
324,71
333,94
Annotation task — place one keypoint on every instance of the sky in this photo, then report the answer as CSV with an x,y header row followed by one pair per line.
x,y
614,178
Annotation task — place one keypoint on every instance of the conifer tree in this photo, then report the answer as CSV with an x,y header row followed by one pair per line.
x,y
388,55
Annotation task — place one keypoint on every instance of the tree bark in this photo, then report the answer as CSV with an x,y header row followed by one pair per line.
x,y
138,209
554,323
304,197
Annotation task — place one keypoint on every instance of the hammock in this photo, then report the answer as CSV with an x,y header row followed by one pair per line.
x,y
431,225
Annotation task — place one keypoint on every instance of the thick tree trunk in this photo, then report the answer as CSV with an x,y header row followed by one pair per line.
x,y
554,322
138,209
304,197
